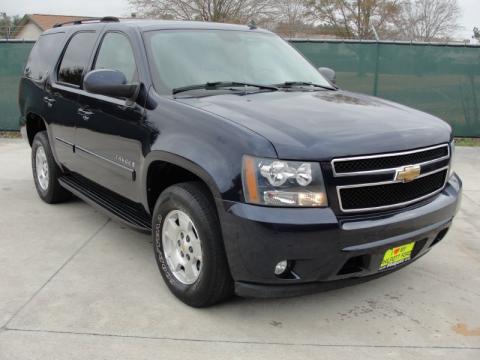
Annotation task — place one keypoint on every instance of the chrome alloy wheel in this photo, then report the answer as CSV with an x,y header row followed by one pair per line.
x,y
182,247
41,165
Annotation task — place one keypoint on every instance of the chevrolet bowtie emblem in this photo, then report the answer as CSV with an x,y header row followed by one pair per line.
x,y
408,173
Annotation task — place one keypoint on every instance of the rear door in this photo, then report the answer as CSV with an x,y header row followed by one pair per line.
x,y
41,61
109,136
62,94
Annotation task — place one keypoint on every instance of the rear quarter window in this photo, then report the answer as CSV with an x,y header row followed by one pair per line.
x,y
76,57
43,56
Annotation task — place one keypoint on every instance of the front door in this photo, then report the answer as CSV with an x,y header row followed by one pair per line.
x,y
110,130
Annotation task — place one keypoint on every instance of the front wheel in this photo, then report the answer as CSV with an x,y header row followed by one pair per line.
x,y
188,245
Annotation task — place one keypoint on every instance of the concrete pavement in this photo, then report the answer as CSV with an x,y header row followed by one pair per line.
x,y
76,285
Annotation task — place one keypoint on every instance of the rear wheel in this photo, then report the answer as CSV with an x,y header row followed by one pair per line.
x,y
188,245
46,171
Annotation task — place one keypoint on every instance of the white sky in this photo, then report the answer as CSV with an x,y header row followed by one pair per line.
x,y
470,9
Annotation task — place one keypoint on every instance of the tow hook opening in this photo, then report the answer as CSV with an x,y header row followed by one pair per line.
x,y
354,265
440,236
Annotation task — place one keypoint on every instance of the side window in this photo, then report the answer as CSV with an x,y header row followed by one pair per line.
x,y
43,56
75,58
116,53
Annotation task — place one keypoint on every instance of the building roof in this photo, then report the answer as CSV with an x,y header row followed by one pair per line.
x,y
47,21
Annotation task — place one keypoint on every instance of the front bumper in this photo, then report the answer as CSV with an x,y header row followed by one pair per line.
x,y
326,251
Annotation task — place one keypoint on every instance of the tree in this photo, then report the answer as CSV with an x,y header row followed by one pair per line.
x,y
236,11
292,17
429,20
476,34
8,25
356,18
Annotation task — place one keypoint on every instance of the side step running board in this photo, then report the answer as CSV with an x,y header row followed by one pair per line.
x,y
108,202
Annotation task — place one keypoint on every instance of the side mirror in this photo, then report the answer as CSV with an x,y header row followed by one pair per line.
x,y
110,83
328,74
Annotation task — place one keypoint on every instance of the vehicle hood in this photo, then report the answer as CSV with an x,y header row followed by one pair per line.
x,y
321,125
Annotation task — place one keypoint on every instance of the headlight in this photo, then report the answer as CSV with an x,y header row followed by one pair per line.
x,y
275,182
452,158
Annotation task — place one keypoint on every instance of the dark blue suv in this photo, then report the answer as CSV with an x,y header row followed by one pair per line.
x,y
253,171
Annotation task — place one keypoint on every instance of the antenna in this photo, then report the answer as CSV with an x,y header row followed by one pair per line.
x,y
252,25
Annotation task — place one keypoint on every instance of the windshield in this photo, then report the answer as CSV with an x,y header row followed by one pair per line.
x,y
190,57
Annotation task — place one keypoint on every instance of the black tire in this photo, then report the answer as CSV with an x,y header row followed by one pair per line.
x,y
214,282
54,192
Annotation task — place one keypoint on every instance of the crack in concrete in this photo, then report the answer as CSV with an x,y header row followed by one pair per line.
x,y
471,198
431,275
246,342
5,326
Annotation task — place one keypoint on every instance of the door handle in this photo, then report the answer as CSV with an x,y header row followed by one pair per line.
x,y
84,113
49,101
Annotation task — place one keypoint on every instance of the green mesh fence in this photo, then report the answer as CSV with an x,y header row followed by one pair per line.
x,y
13,56
440,79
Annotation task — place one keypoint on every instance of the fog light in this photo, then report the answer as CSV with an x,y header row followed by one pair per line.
x,y
281,267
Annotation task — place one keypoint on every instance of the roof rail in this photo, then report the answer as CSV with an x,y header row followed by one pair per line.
x,y
88,20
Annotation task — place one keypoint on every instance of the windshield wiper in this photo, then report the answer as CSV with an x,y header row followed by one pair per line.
x,y
222,84
291,84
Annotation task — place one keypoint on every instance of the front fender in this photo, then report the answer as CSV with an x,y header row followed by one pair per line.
x,y
207,145
174,159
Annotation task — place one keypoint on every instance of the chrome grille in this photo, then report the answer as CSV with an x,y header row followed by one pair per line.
x,y
387,162
360,195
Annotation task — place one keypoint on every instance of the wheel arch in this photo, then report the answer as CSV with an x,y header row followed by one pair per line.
x,y
180,169
34,123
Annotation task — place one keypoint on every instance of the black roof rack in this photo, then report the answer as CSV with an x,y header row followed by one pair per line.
x,y
88,20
